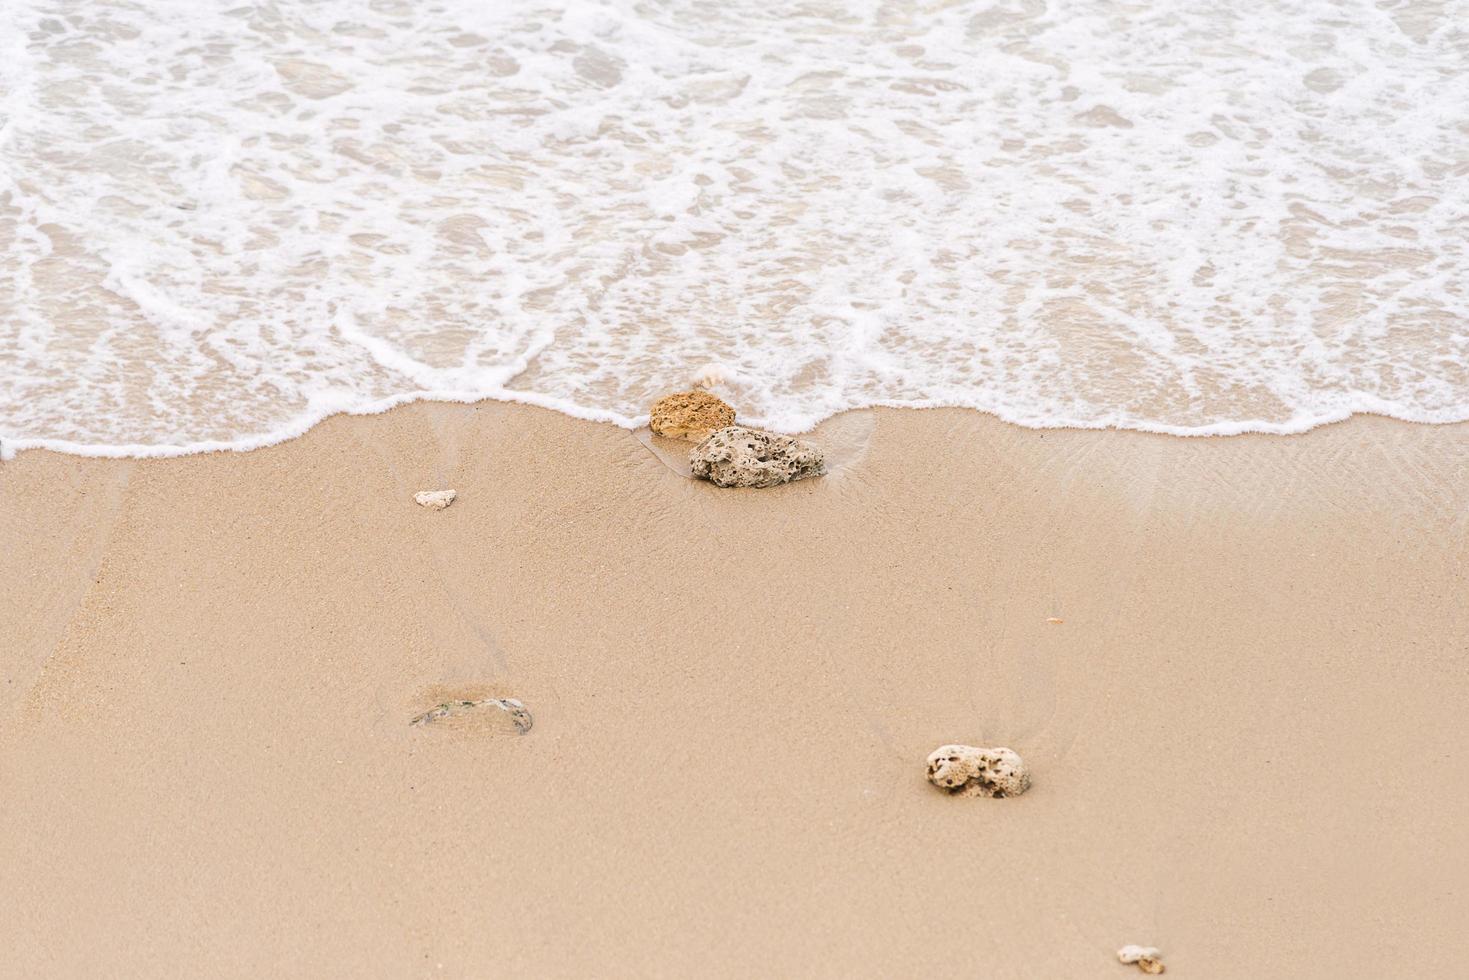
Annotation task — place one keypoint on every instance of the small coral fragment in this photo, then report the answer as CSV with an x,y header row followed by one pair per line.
x,y
963,770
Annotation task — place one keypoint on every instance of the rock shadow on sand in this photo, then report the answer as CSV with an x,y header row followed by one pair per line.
x,y
470,713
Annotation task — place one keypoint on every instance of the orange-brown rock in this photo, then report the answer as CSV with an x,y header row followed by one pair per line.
x,y
689,415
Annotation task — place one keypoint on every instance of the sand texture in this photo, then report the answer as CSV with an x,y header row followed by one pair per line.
x,y
1237,670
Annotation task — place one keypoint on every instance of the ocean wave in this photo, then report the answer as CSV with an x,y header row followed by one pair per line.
x,y
220,223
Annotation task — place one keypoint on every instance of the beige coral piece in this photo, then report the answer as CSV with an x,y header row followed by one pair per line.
x,y
689,415
963,770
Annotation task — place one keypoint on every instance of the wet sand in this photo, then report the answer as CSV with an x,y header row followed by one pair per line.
x,y
1244,731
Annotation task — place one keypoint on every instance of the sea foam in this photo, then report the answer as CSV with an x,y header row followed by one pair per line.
x,y
221,222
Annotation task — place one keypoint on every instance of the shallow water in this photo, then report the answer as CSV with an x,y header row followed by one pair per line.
x,y
221,222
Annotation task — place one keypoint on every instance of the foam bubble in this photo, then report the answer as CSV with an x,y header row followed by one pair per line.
x,y
221,223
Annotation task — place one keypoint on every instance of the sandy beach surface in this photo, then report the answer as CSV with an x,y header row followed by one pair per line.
x,y
1238,669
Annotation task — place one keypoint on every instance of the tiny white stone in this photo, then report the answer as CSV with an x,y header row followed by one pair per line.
x,y
435,499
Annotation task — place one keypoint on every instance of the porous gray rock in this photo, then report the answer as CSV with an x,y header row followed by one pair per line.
x,y
736,456
963,770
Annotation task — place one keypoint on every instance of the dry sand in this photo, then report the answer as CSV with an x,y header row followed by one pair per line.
x,y
1246,732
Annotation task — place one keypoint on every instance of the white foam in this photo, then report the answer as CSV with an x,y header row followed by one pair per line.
x,y
220,223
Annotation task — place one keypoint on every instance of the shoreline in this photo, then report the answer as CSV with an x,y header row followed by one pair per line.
x,y
11,446
1234,729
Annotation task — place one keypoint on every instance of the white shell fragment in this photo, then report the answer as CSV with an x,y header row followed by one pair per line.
x,y
963,770
435,499
1147,958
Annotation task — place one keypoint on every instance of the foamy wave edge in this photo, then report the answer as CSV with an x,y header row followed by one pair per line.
x,y
1298,424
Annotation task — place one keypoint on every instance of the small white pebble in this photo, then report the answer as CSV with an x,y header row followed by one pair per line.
x,y
435,499
1131,954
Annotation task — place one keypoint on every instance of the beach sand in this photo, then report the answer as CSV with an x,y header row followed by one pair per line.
x,y
1245,731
